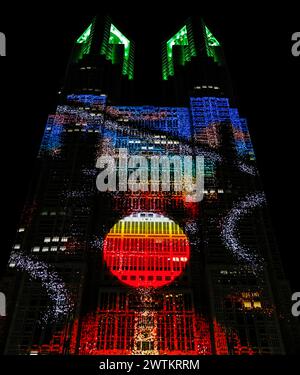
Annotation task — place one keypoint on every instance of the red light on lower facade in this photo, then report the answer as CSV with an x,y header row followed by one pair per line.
x,y
146,250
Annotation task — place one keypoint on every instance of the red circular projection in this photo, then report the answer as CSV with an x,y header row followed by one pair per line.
x,y
146,250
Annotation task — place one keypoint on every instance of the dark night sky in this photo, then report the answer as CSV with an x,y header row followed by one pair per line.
x,y
265,75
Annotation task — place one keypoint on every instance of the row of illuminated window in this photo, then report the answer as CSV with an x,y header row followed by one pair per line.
x,y
77,130
142,227
166,142
55,239
154,241
212,191
204,120
163,142
87,68
211,114
210,109
206,87
146,263
176,267
160,111
135,112
82,130
211,99
52,213
143,278
151,202
216,102
153,246
45,249
252,304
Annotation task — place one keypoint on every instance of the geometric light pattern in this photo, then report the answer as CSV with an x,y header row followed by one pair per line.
x,y
179,39
211,42
117,38
84,42
188,50
85,35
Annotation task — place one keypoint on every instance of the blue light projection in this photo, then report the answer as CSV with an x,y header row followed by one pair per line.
x,y
90,100
52,138
174,121
151,129
208,112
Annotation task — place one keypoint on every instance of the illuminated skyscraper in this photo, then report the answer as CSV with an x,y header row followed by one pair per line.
x,y
146,271
102,61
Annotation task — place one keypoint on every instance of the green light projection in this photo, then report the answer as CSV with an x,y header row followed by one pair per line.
x,y
211,42
179,39
115,38
85,35
84,42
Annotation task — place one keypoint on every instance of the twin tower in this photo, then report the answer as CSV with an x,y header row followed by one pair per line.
x,y
106,60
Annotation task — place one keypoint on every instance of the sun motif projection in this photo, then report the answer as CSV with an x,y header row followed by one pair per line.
x,y
146,250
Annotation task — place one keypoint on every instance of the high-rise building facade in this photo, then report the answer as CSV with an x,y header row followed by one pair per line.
x,y
143,267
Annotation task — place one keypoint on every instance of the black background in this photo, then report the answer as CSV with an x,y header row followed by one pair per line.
x,y
265,75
